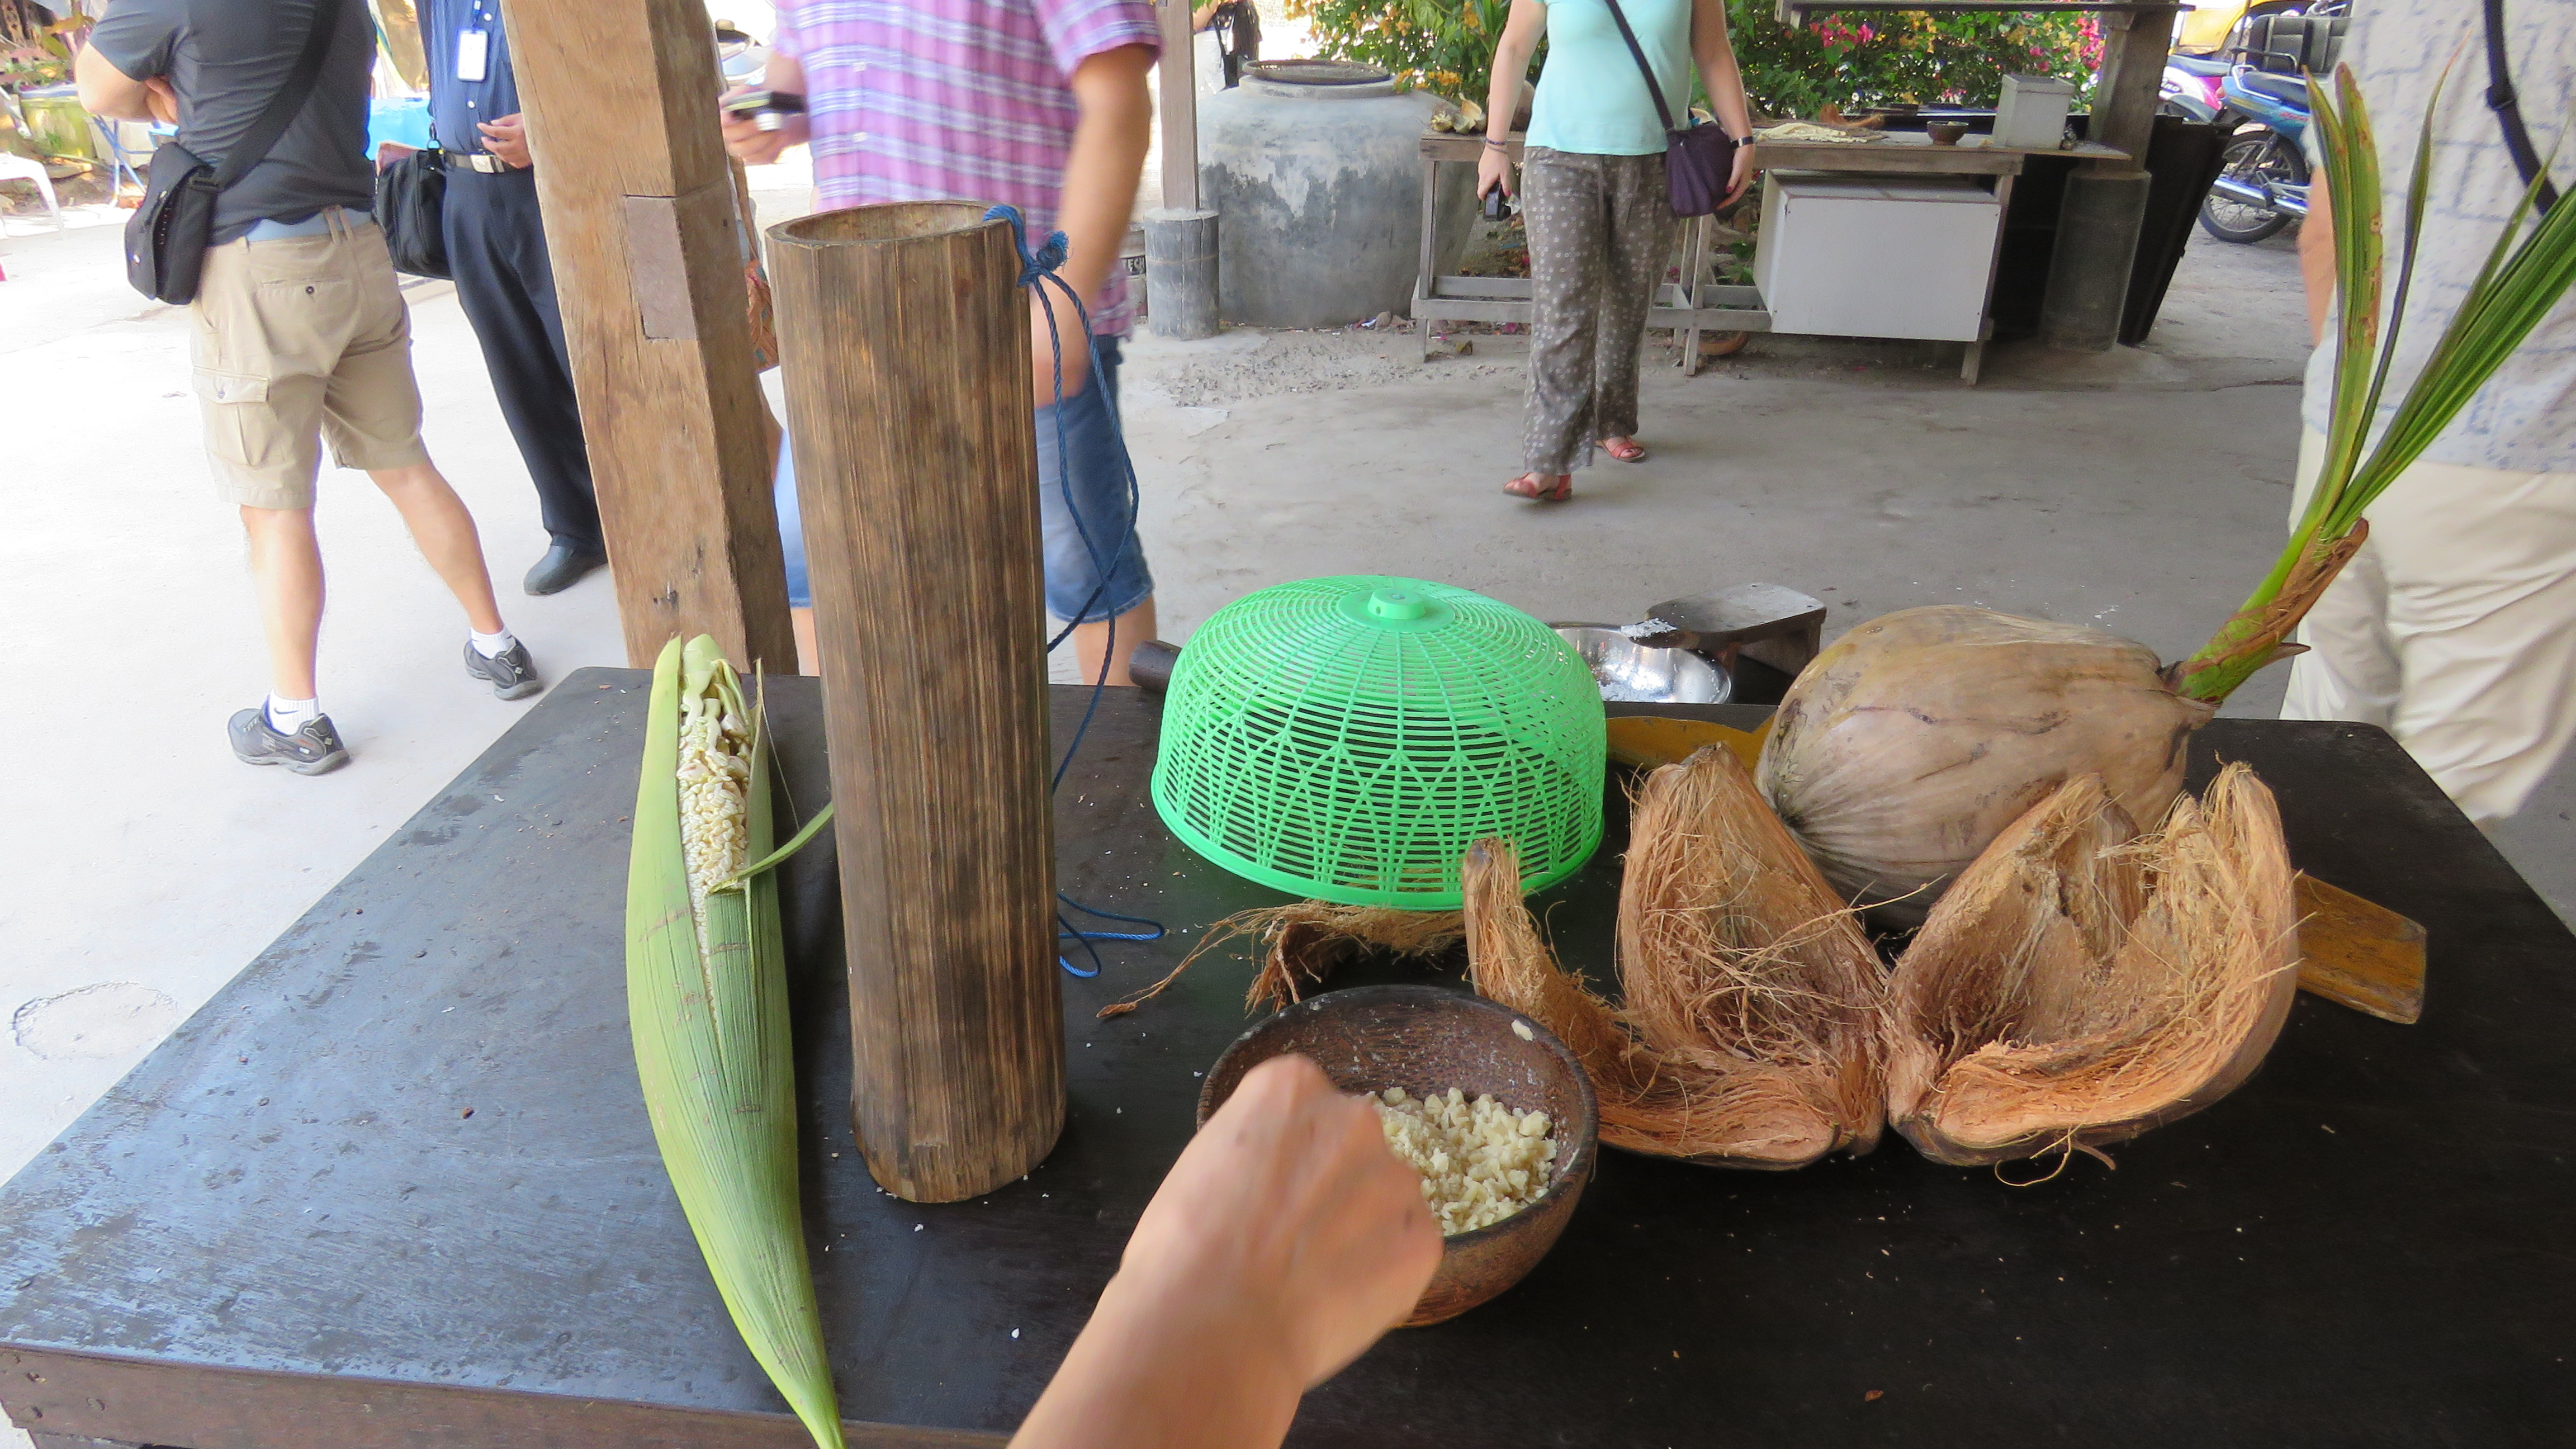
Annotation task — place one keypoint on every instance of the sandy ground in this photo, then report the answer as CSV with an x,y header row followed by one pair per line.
x,y
2143,490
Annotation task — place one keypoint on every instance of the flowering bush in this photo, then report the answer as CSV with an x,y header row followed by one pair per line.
x,y
1447,46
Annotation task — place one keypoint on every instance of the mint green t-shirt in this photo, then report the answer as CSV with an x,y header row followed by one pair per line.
x,y
1590,97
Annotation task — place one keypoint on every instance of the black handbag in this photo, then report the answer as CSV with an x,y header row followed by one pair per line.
x,y
167,237
1699,159
411,210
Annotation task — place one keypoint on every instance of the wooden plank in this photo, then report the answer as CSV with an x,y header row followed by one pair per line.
x,y
1482,287
2357,954
905,338
639,215
1177,103
121,1400
1449,146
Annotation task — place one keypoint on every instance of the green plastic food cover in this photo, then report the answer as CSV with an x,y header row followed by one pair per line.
x,y
1349,738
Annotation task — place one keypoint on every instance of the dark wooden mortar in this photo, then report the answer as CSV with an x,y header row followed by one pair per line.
x,y
1428,1039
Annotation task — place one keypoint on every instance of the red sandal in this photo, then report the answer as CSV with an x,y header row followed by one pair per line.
x,y
1527,486
1635,452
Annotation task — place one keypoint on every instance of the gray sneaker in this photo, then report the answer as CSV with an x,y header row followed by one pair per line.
x,y
511,673
314,749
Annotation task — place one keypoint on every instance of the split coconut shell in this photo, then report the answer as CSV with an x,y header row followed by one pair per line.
x,y
1915,740
2081,983
1749,1034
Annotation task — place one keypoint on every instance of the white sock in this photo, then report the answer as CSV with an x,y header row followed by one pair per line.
x,y
286,716
492,646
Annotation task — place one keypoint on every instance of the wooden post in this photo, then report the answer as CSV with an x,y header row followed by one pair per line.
x,y
1176,78
648,263
904,336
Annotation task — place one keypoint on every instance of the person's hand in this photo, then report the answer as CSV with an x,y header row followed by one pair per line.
x,y
1042,348
1742,176
1285,1241
163,100
389,152
1494,168
752,145
1290,1203
506,138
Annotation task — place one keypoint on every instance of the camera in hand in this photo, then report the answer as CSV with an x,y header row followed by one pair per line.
x,y
1497,205
767,110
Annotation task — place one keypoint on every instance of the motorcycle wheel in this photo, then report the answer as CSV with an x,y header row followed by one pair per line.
x,y
2257,158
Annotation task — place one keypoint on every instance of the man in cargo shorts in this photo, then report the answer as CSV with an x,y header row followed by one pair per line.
x,y
300,330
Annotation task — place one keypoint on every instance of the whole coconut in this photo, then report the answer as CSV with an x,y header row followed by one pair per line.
x,y
1914,741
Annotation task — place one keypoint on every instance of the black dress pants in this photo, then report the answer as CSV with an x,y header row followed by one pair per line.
x,y
496,247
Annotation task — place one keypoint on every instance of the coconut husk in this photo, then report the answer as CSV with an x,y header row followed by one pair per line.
x,y
2081,982
1915,740
1748,1036
1303,942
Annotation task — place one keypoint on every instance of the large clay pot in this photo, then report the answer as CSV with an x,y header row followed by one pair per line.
x,y
1315,173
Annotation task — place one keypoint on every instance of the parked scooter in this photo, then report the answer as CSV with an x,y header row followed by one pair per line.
x,y
2262,181
2262,184
2191,87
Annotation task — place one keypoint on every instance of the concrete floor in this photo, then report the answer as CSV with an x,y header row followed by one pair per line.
x,y
2143,490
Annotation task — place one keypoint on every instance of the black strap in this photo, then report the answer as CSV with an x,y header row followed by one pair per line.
x,y
261,138
2508,109
1648,71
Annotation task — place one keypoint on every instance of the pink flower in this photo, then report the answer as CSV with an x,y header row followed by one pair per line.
x,y
1866,33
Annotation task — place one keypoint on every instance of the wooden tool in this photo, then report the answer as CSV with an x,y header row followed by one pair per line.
x,y
2357,954
2352,952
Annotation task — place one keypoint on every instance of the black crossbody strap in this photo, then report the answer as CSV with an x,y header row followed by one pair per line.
x,y
1648,71
261,138
2508,108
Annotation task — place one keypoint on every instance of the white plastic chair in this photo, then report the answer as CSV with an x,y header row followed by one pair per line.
x,y
19,168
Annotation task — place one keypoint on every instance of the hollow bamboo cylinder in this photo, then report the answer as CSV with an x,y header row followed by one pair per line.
x,y
904,337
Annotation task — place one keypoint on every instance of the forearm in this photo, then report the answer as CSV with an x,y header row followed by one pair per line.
x,y
1108,158
1166,1371
2317,259
1503,97
1715,56
107,92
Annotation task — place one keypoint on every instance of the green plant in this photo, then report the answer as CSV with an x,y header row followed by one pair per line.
x,y
2522,280
1447,46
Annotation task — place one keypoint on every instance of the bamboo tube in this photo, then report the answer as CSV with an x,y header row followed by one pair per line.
x,y
904,337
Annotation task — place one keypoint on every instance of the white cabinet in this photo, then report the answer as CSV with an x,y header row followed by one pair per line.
x,y
1856,255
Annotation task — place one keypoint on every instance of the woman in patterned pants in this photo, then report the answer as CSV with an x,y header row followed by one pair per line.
x,y
1593,193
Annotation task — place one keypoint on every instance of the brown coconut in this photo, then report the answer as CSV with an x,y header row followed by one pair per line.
x,y
1749,1033
2081,983
1914,741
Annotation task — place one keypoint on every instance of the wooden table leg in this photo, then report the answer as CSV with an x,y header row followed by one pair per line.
x,y
1426,281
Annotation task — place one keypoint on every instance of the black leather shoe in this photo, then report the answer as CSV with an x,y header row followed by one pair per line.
x,y
563,566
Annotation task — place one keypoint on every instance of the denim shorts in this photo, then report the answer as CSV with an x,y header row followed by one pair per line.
x,y
1075,569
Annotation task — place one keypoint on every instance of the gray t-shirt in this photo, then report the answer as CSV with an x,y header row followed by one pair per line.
x,y
226,73
2524,419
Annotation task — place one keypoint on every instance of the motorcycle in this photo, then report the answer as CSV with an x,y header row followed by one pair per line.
x,y
2262,181
2190,87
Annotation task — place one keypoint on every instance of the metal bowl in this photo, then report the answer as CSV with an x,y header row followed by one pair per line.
x,y
1629,671
1428,1039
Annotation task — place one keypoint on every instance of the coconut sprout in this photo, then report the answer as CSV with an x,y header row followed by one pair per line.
x,y
1748,1036
2082,982
1908,746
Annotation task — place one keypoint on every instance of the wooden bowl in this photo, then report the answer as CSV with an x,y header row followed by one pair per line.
x,y
1428,1039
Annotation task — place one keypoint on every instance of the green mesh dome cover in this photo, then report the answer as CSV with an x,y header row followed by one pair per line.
x,y
1348,739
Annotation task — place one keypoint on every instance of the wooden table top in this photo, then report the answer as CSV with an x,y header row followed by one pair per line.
x,y
393,1187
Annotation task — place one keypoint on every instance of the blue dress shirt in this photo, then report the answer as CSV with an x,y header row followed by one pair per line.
x,y
457,106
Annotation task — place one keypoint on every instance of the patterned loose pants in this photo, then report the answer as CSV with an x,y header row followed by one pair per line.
x,y
1600,231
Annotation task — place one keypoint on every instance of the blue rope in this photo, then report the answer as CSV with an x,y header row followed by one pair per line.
x,y
1038,270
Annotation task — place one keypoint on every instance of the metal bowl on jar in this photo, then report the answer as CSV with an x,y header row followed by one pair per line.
x,y
1629,671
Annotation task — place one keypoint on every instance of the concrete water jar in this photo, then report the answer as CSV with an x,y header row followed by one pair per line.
x,y
1314,170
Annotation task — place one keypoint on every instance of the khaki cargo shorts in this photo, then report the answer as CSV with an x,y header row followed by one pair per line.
x,y
298,339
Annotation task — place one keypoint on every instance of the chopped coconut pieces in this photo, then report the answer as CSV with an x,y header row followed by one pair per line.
x,y
1480,1161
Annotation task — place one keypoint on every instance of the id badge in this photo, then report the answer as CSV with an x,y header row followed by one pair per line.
x,y
473,54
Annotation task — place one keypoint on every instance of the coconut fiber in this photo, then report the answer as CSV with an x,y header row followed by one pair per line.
x,y
1749,1035
2081,982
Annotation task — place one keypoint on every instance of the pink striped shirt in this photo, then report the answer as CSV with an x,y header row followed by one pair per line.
x,y
913,100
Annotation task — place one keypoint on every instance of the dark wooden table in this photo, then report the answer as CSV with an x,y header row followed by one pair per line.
x,y
393,1186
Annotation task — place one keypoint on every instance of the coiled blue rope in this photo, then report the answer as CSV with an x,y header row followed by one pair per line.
x,y
1038,270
